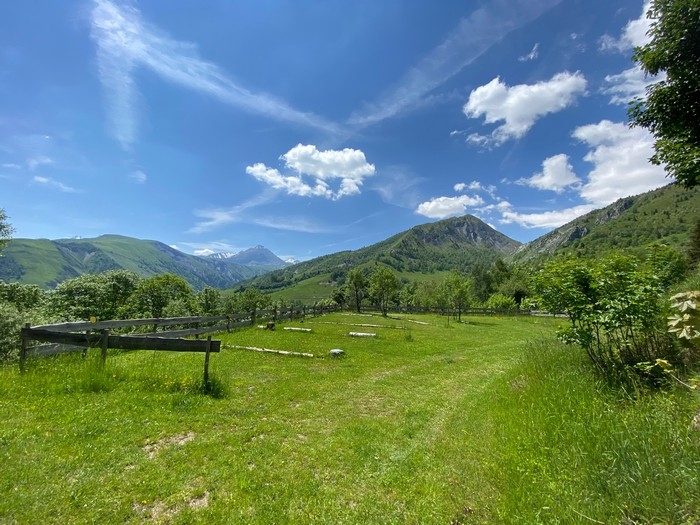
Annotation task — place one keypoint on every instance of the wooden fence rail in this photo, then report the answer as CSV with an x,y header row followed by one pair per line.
x,y
90,338
81,335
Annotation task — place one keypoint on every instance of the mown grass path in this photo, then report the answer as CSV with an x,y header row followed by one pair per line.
x,y
401,430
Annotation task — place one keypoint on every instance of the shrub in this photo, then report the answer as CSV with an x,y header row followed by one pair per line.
x,y
615,314
684,323
11,323
499,301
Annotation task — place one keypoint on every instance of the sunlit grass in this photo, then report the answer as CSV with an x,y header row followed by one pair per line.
x,y
426,423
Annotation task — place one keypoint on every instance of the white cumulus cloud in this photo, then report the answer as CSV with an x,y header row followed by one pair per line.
x,y
547,219
292,184
519,107
315,170
443,207
620,157
634,33
557,175
625,86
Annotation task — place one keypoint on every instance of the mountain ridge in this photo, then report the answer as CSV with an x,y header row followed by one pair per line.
x,y
666,215
46,262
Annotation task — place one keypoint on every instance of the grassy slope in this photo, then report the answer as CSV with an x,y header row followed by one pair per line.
x,y
44,265
320,287
425,424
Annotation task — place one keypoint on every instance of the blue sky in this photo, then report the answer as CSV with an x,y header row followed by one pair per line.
x,y
312,127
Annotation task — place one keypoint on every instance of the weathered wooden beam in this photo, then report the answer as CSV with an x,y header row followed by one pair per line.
x,y
361,334
270,351
119,323
185,332
123,342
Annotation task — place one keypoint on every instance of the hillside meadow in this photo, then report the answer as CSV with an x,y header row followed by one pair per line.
x,y
430,422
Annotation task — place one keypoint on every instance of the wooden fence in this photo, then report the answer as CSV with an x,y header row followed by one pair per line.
x,y
72,336
66,337
82,335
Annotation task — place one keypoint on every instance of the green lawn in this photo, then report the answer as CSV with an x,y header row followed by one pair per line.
x,y
488,421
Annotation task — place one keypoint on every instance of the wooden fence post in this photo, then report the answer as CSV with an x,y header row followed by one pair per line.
x,y
87,336
206,362
23,352
105,344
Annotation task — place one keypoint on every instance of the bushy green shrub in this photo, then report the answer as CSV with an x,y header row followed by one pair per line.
x,y
684,323
11,322
615,312
501,302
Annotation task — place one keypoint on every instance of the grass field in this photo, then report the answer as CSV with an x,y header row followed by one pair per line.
x,y
431,422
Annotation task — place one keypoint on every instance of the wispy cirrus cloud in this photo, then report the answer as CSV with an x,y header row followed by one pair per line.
x,y
39,160
138,176
214,218
53,183
532,55
125,42
470,39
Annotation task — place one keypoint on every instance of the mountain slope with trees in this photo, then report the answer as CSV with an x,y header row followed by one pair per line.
x,y
665,216
457,243
465,244
47,263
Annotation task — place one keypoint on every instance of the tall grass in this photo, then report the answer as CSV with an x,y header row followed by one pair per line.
x,y
574,451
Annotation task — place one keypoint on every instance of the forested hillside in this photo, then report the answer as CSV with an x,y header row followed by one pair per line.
x,y
665,216
46,263
459,243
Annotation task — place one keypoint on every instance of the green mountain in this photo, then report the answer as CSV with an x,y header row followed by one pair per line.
x,y
46,263
459,242
666,215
